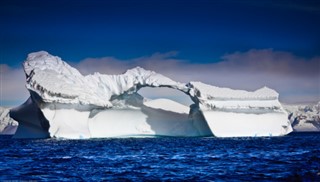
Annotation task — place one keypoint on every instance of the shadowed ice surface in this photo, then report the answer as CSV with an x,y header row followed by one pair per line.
x,y
292,157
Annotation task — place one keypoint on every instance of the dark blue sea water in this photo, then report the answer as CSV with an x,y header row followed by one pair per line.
x,y
288,158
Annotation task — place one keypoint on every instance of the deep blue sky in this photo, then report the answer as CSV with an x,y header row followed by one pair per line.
x,y
256,42
201,31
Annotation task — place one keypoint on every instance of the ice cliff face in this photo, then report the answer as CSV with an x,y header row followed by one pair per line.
x,y
304,118
229,112
64,103
8,126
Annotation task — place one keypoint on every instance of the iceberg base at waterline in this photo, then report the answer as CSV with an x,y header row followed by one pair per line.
x,y
149,119
146,119
32,123
65,104
224,124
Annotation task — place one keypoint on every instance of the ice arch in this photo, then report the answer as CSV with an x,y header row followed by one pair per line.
x,y
167,93
56,81
75,106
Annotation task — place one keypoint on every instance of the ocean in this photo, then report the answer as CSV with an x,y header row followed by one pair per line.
x,y
295,157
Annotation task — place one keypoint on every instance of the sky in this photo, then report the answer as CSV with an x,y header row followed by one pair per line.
x,y
244,44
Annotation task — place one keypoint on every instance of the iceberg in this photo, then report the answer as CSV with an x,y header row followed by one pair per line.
x,y
65,104
8,126
304,117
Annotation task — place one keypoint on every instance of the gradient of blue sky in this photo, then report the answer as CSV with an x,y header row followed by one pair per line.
x,y
202,31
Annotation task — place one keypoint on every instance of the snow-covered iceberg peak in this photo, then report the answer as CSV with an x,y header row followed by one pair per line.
x,y
42,60
56,81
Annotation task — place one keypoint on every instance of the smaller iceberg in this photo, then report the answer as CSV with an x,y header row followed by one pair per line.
x,y
304,117
8,126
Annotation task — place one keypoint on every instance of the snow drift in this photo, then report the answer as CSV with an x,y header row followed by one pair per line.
x,y
64,103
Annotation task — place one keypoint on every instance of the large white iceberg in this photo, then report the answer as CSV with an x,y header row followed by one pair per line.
x,y
64,103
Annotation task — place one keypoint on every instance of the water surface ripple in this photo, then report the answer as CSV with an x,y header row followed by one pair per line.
x,y
292,157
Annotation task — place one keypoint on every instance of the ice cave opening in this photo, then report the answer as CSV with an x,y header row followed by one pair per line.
x,y
155,93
